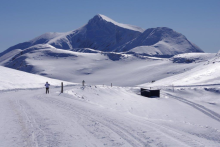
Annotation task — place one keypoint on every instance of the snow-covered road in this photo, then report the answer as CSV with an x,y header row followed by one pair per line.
x,y
78,118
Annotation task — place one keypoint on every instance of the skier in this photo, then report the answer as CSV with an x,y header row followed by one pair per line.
x,y
47,85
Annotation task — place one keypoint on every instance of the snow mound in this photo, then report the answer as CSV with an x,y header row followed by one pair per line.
x,y
14,79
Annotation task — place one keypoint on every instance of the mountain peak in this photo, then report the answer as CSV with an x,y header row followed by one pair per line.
x,y
103,17
100,18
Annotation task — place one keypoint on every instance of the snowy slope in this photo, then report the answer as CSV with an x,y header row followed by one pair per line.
x,y
14,79
94,67
38,40
8,56
207,73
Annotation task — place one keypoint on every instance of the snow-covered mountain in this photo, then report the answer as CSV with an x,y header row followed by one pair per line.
x,y
160,41
104,34
100,33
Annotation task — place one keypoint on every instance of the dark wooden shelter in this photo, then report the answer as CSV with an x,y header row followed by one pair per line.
x,y
150,93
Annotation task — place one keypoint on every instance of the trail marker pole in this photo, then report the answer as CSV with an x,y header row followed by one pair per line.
x,y
111,84
61,87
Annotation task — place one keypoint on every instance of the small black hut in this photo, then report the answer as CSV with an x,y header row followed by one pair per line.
x,y
150,93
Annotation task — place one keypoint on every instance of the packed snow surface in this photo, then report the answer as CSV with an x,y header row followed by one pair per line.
x,y
101,116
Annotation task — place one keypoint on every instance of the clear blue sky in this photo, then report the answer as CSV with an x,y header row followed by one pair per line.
x,y
23,20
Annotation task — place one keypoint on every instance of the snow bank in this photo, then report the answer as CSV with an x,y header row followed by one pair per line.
x,y
14,79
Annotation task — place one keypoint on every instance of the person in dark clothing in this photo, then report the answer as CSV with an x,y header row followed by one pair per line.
x,y
47,85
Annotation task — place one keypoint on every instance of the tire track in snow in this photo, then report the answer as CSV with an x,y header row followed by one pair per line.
x,y
29,125
24,133
177,135
38,131
200,108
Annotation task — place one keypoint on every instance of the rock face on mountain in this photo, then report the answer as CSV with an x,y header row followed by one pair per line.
x,y
104,34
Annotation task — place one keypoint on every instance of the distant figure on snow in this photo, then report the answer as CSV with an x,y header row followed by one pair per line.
x,y
83,83
47,85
